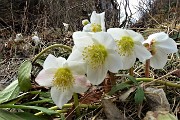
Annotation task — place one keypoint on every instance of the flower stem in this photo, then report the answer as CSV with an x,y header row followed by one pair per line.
x,y
152,80
112,78
68,106
50,47
76,104
131,71
147,68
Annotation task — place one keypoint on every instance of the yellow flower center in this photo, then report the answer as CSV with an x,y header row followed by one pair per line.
x,y
151,47
63,79
125,45
96,27
95,55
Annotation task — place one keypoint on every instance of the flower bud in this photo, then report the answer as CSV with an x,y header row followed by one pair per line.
x,y
85,22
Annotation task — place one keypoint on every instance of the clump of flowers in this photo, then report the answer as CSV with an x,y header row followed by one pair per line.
x,y
96,52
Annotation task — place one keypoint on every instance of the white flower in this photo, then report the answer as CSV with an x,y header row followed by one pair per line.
x,y
19,38
160,45
64,77
130,46
98,50
97,23
66,26
35,38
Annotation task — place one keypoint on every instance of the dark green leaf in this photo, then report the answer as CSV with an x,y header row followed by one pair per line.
x,y
29,116
131,78
24,76
10,92
175,36
6,115
118,87
139,95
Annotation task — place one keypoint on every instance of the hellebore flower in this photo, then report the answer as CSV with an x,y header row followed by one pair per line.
x,y
64,77
97,23
19,38
98,50
35,38
130,46
160,45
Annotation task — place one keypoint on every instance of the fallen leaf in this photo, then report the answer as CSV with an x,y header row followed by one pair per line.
x,y
111,111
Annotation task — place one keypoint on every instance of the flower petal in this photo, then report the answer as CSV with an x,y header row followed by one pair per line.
x,y
82,39
135,36
87,28
81,84
95,18
79,34
105,39
141,52
96,76
117,33
114,61
102,16
50,62
168,46
128,61
60,97
60,61
45,77
160,37
158,61
76,55
77,67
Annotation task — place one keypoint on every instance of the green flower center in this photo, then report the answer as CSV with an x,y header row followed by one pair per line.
x,y
95,55
63,79
96,27
125,45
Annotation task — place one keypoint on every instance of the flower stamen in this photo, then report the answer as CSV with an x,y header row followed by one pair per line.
x,y
63,79
125,45
95,55
95,27
151,47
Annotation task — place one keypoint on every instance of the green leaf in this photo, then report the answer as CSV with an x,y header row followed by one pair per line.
x,y
131,78
10,92
24,75
118,87
45,110
139,95
6,115
175,36
29,116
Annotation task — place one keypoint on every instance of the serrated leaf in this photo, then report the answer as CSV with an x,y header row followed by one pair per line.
x,y
139,95
29,116
10,92
6,115
24,76
118,87
45,110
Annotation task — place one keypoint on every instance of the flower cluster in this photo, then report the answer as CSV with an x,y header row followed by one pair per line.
x,y
96,52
